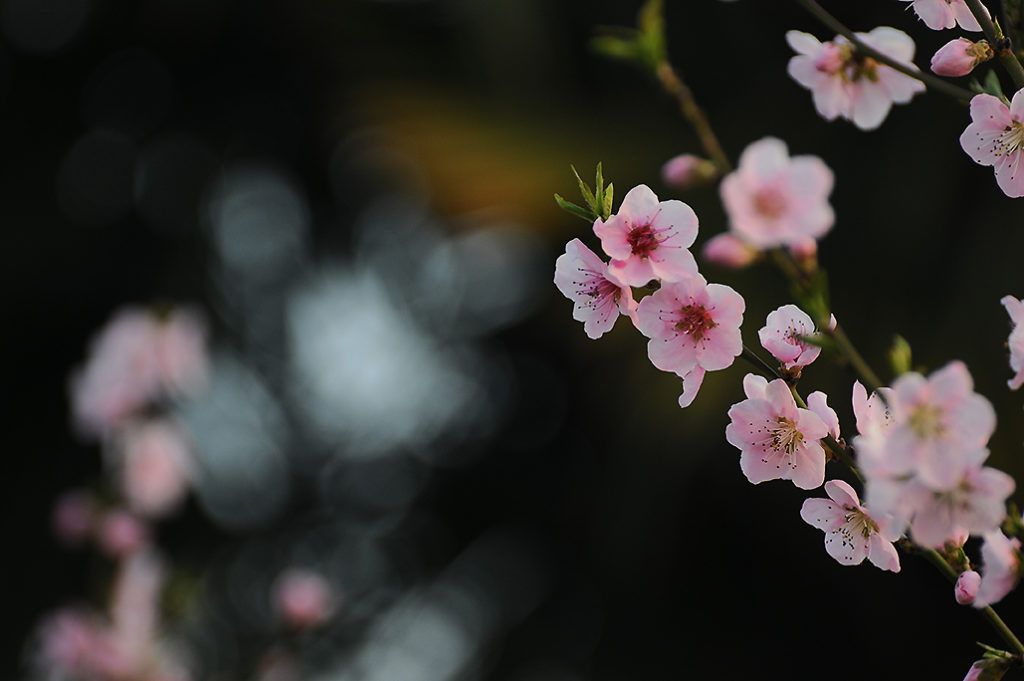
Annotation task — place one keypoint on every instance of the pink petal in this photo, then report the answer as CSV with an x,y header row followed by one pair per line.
x,y
842,494
883,554
804,43
691,385
871,105
810,470
822,514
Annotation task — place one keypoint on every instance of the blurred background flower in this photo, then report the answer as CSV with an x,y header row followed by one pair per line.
x,y
373,377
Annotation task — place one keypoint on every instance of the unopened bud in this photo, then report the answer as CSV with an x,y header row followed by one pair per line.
x,y
729,251
966,588
687,171
958,57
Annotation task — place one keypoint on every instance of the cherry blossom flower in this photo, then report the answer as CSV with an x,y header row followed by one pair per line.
x,y
777,440
940,14
727,250
845,84
958,57
773,199
1015,308
940,426
303,598
693,327
1001,568
121,374
966,588
583,278
873,420
687,171
851,533
648,239
156,467
783,334
975,504
995,138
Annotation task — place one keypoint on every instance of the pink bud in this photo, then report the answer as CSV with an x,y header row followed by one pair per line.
x,y
966,587
303,598
830,58
729,251
120,533
686,171
804,248
958,57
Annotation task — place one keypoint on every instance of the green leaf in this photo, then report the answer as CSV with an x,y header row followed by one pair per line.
x,y
588,194
606,207
578,211
992,86
616,47
651,22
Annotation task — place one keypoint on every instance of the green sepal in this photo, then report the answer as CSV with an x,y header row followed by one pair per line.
x,y
578,211
900,356
586,191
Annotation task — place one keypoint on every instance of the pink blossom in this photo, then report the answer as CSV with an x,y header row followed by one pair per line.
x,y
67,641
995,138
975,504
846,84
121,375
121,533
988,669
966,588
686,171
304,598
727,250
940,14
776,439
156,467
74,516
1001,568
783,334
181,355
851,532
583,278
775,200
648,239
958,57
693,326
940,426
1015,308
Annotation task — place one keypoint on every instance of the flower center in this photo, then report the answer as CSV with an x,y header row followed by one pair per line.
x,y
695,321
785,436
859,522
926,422
642,240
769,203
1010,140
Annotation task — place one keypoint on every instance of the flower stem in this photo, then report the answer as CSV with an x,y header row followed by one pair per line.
x,y
997,623
762,366
674,86
1000,43
849,351
934,82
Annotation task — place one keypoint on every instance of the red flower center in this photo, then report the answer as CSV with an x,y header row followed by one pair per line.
x,y
642,240
695,321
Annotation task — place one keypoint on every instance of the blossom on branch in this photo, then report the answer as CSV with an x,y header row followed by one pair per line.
x,y
648,239
693,327
851,532
1001,568
583,278
940,14
777,440
773,199
847,84
995,138
783,335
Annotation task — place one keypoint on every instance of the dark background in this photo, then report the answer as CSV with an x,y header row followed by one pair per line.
x,y
647,553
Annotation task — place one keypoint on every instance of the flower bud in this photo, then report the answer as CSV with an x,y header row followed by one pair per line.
x,y
988,669
966,587
729,251
959,57
830,59
687,171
